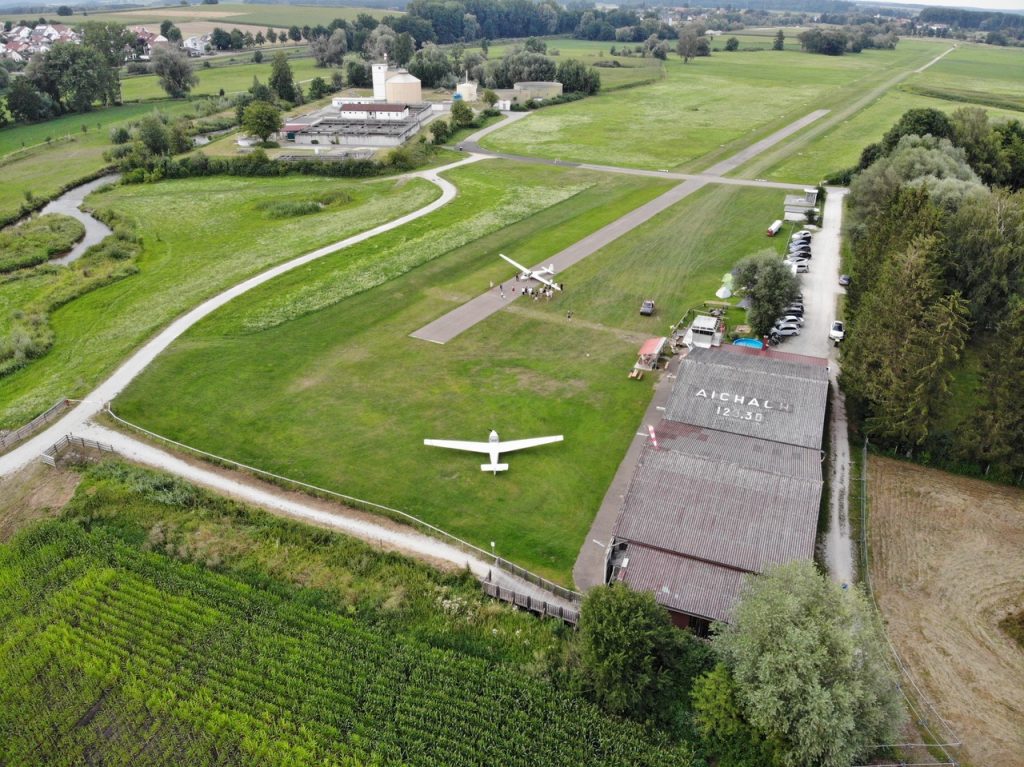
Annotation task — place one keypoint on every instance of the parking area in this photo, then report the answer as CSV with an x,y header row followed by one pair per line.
x,y
820,284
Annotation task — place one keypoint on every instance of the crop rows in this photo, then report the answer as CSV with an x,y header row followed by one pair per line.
x,y
125,657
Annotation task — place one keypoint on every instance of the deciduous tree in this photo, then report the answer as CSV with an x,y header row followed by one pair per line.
x,y
634,662
281,81
172,67
808,665
261,119
770,286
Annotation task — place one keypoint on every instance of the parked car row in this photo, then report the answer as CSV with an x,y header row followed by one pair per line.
x,y
789,322
798,258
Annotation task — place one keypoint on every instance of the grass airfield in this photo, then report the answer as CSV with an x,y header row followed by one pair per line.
x,y
336,393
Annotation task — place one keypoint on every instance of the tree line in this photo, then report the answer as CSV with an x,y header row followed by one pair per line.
x,y
936,307
799,676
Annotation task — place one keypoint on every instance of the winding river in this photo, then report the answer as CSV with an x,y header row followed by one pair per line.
x,y
70,204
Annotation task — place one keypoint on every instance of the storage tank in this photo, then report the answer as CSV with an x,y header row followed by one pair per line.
x,y
403,88
466,91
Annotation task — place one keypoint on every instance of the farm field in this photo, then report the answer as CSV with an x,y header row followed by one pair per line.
x,y
28,163
151,613
841,146
946,568
373,394
700,111
189,254
232,79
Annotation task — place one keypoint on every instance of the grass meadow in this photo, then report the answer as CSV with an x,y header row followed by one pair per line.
x,y
29,163
982,74
701,111
199,236
307,379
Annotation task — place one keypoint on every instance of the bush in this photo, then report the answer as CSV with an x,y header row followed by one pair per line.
x,y
38,240
119,135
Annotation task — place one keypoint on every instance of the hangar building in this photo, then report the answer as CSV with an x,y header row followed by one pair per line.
x,y
733,484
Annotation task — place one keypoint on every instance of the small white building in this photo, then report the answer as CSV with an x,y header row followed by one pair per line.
x,y
374,111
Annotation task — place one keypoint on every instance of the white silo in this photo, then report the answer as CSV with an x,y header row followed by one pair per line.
x,y
380,77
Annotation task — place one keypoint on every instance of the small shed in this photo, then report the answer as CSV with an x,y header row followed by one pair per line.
x,y
649,354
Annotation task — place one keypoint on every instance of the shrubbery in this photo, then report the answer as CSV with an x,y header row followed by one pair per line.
x,y
38,240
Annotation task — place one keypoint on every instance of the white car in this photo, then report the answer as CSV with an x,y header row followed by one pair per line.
x,y
789,318
838,331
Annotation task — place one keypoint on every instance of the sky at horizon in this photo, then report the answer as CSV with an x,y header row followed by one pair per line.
x,y
979,5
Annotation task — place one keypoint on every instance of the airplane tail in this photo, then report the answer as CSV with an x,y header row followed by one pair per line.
x,y
495,467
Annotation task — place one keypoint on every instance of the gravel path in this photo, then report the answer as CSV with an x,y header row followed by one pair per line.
x,y
244,488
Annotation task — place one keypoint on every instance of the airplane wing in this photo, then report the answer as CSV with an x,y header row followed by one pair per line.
x,y
457,444
519,444
518,266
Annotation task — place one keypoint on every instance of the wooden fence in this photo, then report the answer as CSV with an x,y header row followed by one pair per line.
x,y
559,591
50,456
538,606
10,439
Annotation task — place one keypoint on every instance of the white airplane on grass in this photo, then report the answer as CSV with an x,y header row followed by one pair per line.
x,y
534,274
493,447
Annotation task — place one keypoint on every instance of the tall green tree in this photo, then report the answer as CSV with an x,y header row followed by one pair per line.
x,y
175,73
109,39
634,662
809,668
779,43
73,76
576,77
261,119
997,427
722,726
26,104
686,46
770,285
282,83
918,122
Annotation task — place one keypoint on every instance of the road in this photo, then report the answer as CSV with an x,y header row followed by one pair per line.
x,y
821,289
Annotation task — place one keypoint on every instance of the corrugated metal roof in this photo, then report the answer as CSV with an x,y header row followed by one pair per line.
x,y
774,457
752,394
734,514
685,585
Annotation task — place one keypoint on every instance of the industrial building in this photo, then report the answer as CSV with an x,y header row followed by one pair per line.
x,y
730,485
394,114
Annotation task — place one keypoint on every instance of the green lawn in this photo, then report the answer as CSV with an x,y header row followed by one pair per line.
x,y
345,397
841,146
230,79
701,111
308,380
29,163
199,237
976,73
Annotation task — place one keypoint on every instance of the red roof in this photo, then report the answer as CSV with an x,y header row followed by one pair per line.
x,y
652,346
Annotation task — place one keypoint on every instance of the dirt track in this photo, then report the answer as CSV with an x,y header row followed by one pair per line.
x,y
947,566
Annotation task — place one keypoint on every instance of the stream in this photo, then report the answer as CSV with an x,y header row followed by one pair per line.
x,y
69,204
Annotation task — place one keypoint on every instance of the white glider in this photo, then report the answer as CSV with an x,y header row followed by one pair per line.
x,y
534,274
492,447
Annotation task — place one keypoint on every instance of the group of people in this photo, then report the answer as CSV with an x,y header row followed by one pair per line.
x,y
536,293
